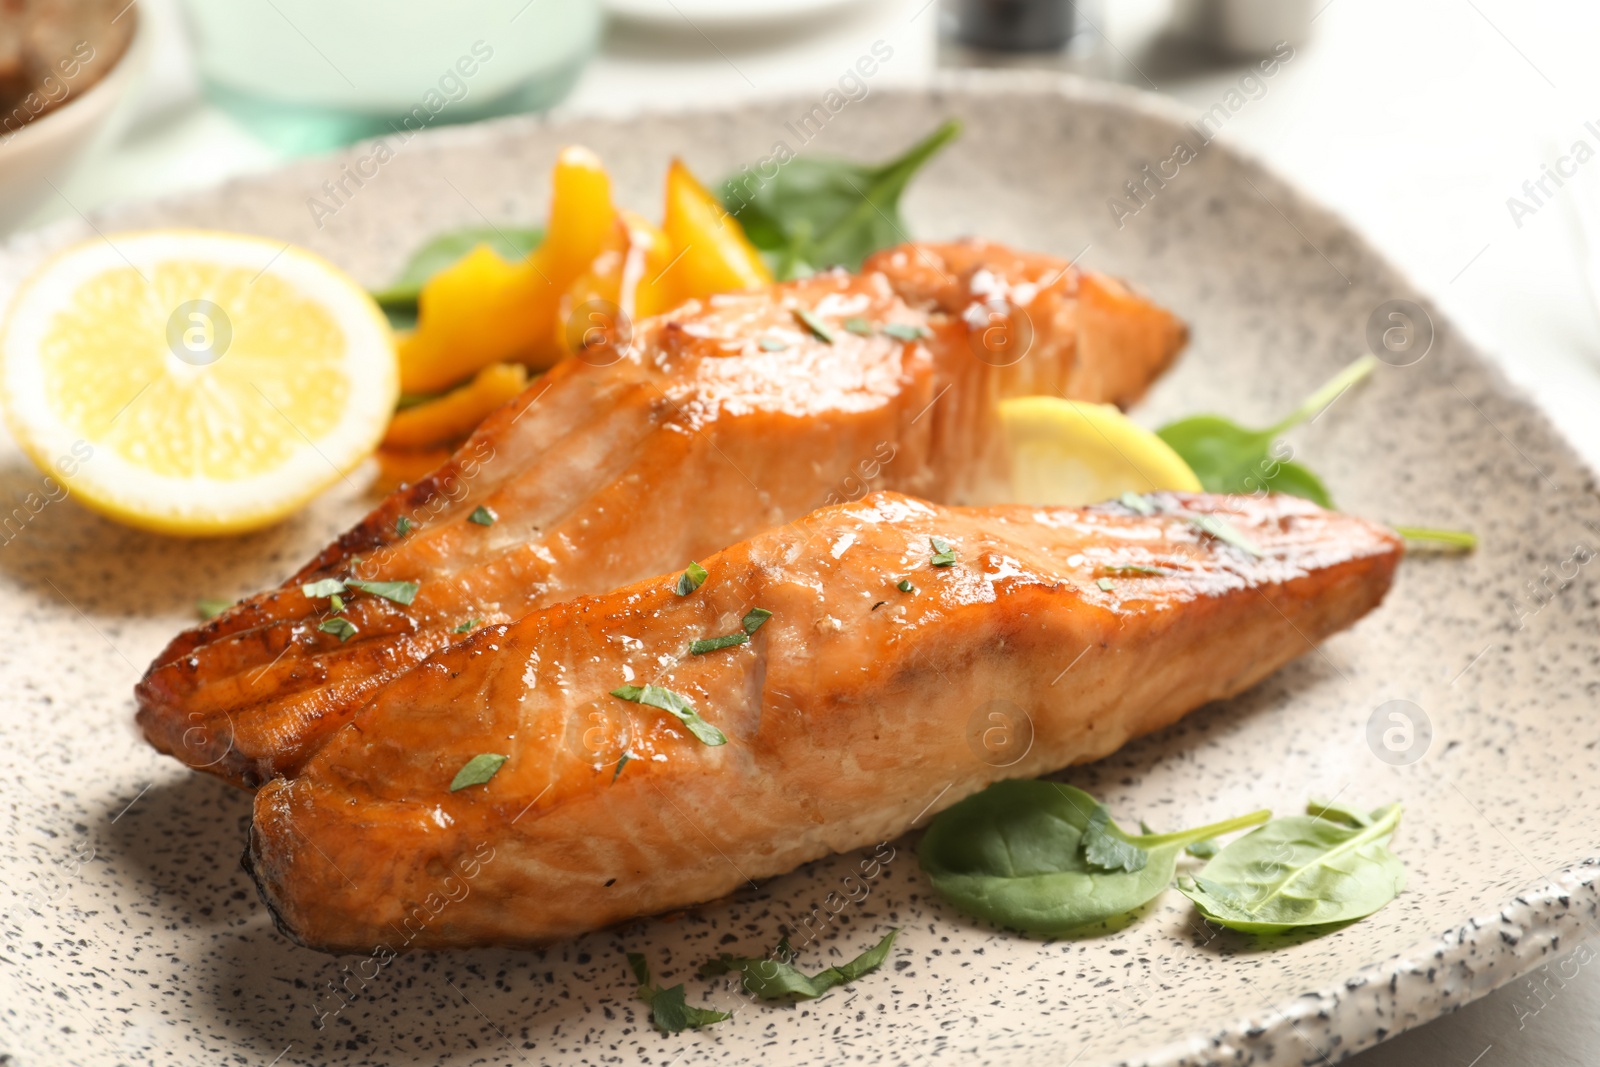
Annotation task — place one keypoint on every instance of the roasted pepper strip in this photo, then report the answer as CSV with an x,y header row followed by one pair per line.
x,y
454,415
623,284
483,310
714,255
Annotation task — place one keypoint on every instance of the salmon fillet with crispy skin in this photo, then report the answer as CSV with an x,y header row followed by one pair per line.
x,y
723,419
856,707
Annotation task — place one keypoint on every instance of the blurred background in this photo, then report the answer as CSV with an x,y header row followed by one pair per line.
x,y
1447,131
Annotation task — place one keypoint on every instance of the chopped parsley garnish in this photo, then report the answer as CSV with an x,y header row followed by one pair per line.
x,y
905,586
1223,530
776,976
674,704
943,554
667,1007
904,332
809,320
712,644
772,344
1135,502
478,770
692,578
342,627
754,618
482,516
858,326
399,592
466,626
1105,585
403,526
211,607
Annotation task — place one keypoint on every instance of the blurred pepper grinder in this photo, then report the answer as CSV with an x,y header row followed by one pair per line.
x,y
1015,25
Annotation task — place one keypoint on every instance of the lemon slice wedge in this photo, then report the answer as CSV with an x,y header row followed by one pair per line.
x,y
1065,452
193,382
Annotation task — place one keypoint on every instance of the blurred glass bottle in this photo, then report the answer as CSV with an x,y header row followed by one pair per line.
x,y
307,75
1015,25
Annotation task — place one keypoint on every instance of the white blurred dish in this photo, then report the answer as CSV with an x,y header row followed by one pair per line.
x,y
701,13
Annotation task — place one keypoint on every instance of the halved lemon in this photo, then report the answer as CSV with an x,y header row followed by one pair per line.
x,y
194,382
1071,453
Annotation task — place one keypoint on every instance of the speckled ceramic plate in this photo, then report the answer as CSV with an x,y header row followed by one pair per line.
x,y
132,936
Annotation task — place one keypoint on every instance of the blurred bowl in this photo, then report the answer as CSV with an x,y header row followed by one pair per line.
x,y
38,155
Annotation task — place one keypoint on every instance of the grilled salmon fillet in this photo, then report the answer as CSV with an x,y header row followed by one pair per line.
x,y
857,706
1089,336
722,419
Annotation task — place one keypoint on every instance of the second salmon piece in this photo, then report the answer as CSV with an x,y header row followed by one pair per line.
x,y
835,679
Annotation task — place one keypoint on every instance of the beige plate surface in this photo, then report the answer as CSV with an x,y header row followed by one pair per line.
x,y
131,935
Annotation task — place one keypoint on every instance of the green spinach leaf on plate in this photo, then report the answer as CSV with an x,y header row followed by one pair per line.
x,y
1022,855
1301,871
1229,458
819,211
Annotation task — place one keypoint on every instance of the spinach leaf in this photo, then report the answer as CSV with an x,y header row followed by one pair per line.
x,y
819,212
1332,809
444,250
1106,848
1439,540
667,1008
1015,855
1200,849
1301,871
776,977
1228,458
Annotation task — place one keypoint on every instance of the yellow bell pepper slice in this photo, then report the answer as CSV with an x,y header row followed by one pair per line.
x,y
714,255
483,310
454,415
625,283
